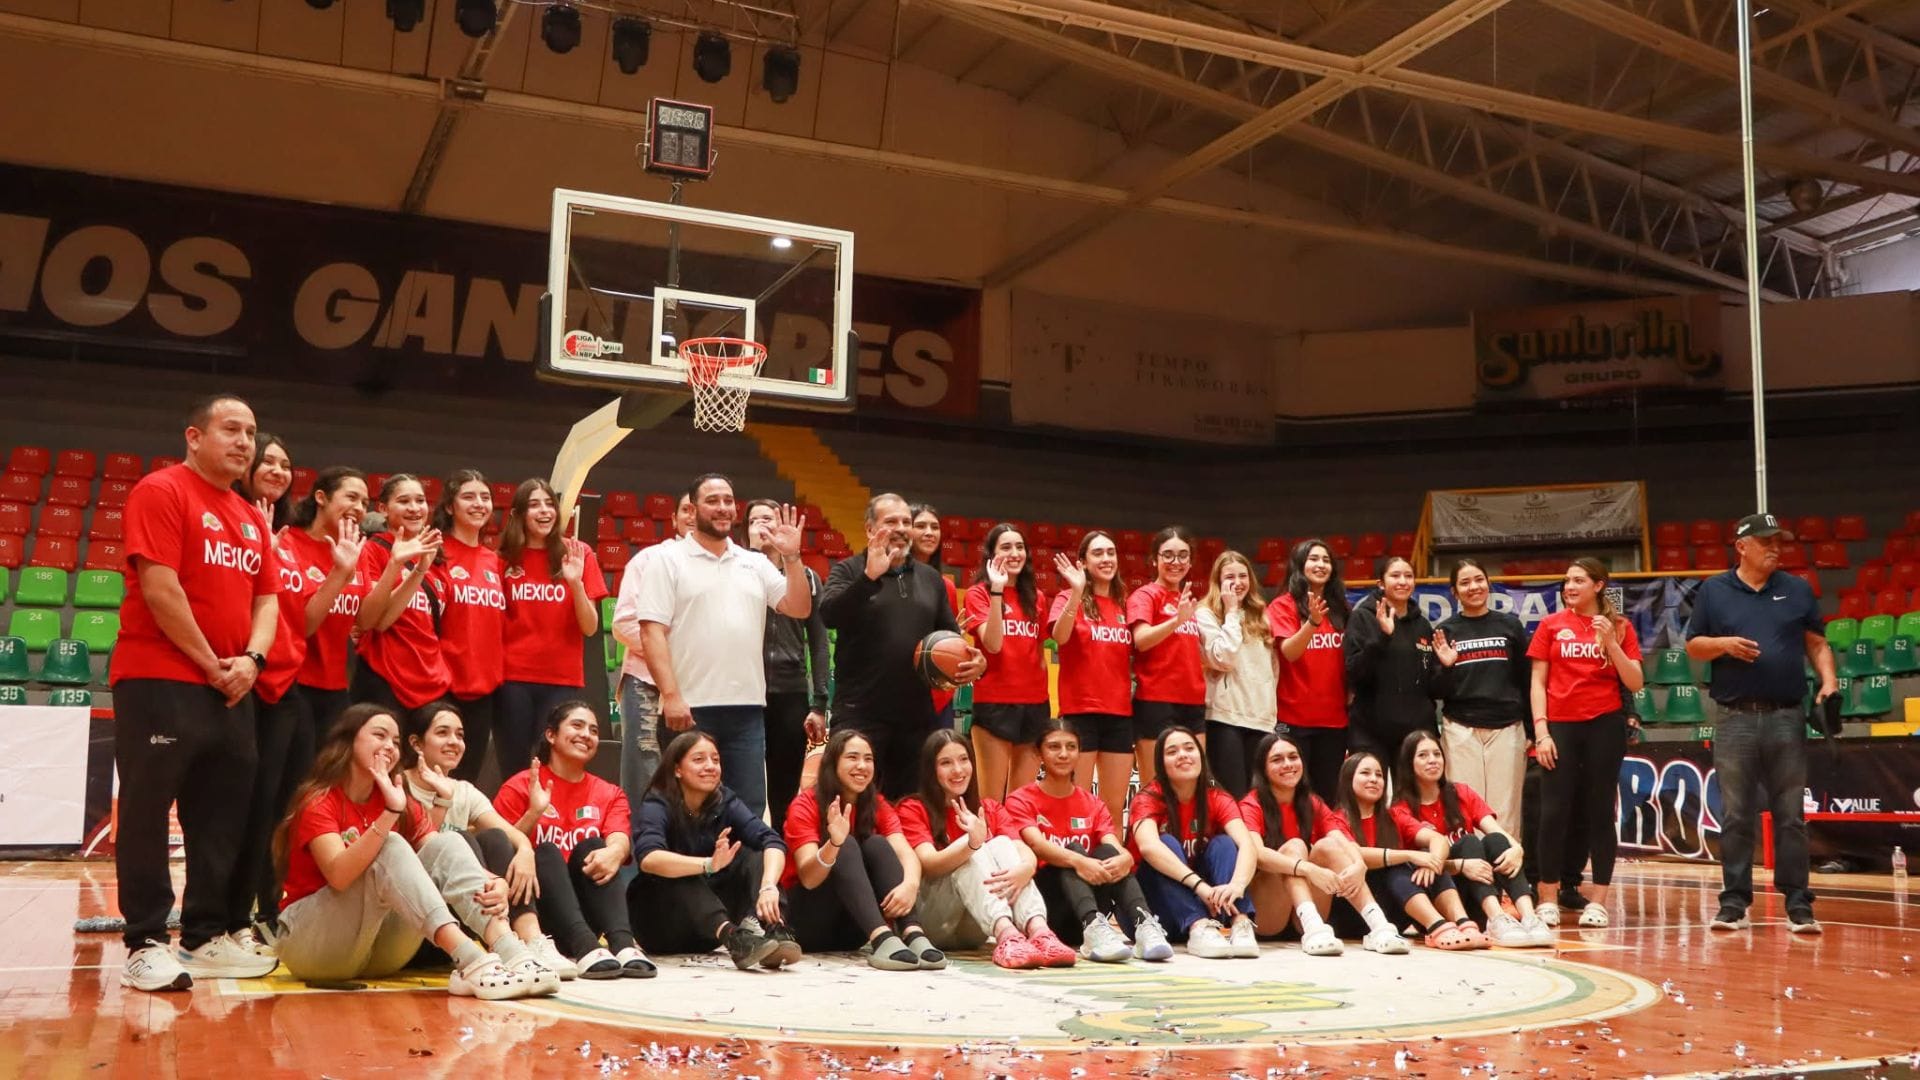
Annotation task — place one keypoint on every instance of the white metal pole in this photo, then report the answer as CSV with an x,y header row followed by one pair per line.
x,y
1744,17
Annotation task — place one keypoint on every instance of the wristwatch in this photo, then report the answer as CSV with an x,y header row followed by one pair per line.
x,y
259,662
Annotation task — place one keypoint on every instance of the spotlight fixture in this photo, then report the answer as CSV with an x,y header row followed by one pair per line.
x,y
780,73
1806,194
781,242
406,14
560,28
475,17
712,56
632,41
319,5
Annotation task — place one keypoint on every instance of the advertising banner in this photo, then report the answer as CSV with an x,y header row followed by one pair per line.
x,y
1599,348
43,775
1602,513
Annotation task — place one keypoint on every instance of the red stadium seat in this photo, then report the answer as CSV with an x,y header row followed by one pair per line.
x,y
1133,566
128,467
1271,549
659,507
1704,531
12,551
1890,602
1854,604
621,504
1905,575
955,527
1850,527
19,487
1810,577
107,523
1131,541
1276,574
502,494
819,564
1370,545
1830,555
1812,529
978,528
376,481
1670,534
1911,525
303,481
1045,533
953,552
60,521
490,538
1793,555
639,530
16,519
1340,546
611,553
607,528
106,555
1071,535
1871,577
1211,548
69,491
113,493
1898,549
163,461
1402,545
1710,557
32,460
81,463
1355,568
1668,560
433,487
59,552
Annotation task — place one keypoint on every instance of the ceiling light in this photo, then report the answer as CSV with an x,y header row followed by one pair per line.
x,y
632,41
1806,194
780,73
406,14
475,17
560,28
712,57
781,242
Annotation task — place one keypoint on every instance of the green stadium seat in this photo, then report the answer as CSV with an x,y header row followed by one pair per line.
x,y
37,627
1645,707
1840,634
616,652
1684,705
1907,626
13,695
1873,696
97,630
1671,668
13,660
1899,659
606,614
98,589
72,696
6,583
41,586
1859,660
67,663
1877,629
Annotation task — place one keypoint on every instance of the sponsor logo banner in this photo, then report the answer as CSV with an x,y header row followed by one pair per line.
x,y
1608,513
1599,349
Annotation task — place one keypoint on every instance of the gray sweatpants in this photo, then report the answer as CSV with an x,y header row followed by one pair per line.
x,y
957,910
375,925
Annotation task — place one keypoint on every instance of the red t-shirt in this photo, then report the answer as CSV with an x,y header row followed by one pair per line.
x,y
543,634
325,666
473,627
1170,671
1017,674
579,810
1581,680
1078,820
917,826
1312,691
1324,819
1148,805
217,544
1096,663
333,812
407,654
803,826
1366,831
1473,809
943,698
289,649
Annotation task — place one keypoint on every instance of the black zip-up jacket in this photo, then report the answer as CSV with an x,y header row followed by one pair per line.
x,y
1488,686
791,643
1390,678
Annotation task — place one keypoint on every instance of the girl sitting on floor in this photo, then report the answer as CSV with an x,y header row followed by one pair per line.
x,y
1416,881
1196,855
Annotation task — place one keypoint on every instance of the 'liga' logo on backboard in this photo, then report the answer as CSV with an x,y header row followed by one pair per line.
x,y
584,346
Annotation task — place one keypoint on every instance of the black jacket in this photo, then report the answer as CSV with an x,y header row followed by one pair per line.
x,y
1390,678
654,829
878,623
1489,685
796,651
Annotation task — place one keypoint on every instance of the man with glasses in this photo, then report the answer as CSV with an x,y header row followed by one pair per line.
x,y
880,603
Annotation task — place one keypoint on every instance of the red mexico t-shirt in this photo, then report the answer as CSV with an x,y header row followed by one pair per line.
x,y
804,826
1017,674
1366,831
1149,805
325,667
1170,671
289,649
1324,819
1312,691
407,654
473,627
1096,662
543,634
1581,680
217,544
1473,810
917,825
579,810
1079,819
332,811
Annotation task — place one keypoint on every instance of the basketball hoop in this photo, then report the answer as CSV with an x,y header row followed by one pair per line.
x,y
720,372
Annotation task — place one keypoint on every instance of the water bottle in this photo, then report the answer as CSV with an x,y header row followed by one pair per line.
x,y
1899,865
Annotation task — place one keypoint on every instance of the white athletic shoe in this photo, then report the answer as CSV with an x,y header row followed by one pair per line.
x,y
1245,945
246,939
1102,944
154,967
1548,913
542,981
1207,941
489,980
552,958
1542,936
225,958
1149,937
1321,941
1506,932
1386,941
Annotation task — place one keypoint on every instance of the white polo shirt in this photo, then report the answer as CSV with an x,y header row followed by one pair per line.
x,y
715,611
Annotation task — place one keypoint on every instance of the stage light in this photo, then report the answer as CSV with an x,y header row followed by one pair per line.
x,y
712,57
475,17
781,242
560,28
406,14
632,41
1805,194
780,73
319,5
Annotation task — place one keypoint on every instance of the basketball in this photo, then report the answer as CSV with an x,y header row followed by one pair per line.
x,y
938,656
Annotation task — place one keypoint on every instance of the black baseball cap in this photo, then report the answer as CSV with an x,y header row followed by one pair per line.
x,y
1761,525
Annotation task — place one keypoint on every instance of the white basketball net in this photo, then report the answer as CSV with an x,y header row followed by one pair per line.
x,y
720,372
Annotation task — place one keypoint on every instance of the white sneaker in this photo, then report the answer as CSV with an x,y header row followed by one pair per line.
x,y
1321,941
225,958
1149,937
552,958
1594,915
1548,913
246,939
1386,941
542,981
599,964
1207,941
1541,935
1506,932
1102,944
1245,945
153,967
489,980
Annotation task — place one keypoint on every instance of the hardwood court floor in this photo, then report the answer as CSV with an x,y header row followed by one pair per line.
x,y
1684,1001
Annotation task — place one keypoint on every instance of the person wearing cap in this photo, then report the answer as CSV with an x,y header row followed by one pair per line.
x,y
1757,624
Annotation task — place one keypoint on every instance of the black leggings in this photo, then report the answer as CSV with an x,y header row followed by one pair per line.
x,y
476,723
786,751
1573,861
843,912
1586,774
1322,749
1393,886
494,848
1072,903
685,914
1230,752
284,732
573,908
1489,848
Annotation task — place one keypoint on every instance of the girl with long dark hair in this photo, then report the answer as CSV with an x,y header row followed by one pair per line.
x,y
1196,855
1237,648
1095,646
1482,682
1172,690
1389,656
924,545
324,541
401,663
1004,608
1582,656
473,624
1309,622
554,586
1416,879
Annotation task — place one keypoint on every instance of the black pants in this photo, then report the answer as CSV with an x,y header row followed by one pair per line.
x,y
476,723
1230,752
685,914
786,751
1383,740
1587,775
495,850
1489,848
521,710
896,756
575,909
1573,863
843,911
1322,750
180,742
283,733
323,707
1072,903
1392,887
369,687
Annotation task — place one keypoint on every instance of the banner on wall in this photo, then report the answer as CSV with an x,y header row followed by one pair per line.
x,y
1602,513
345,297
1657,607
1599,348
43,775
1098,367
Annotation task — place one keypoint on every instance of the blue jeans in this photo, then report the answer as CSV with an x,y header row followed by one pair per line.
x,y
1175,903
740,731
1762,761
639,738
